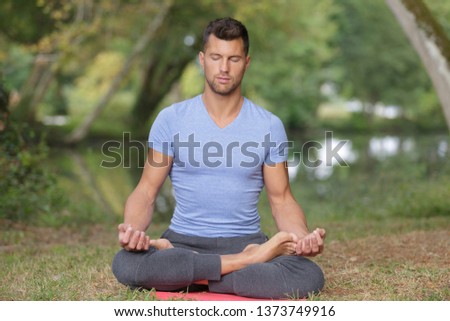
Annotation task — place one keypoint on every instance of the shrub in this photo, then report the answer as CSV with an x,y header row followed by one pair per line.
x,y
27,185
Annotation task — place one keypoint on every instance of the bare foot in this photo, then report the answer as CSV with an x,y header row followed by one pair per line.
x,y
282,243
161,244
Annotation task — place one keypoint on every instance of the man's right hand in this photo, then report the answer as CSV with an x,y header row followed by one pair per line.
x,y
131,239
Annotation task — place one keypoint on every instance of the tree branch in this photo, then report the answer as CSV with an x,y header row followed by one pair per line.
x,y
432,46
81,132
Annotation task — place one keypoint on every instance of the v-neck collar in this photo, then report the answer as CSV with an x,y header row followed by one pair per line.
x,y
211,120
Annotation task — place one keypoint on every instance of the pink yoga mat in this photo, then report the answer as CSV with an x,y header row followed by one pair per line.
x,y
204,296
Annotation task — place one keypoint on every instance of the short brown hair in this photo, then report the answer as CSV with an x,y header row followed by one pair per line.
x,y
227,29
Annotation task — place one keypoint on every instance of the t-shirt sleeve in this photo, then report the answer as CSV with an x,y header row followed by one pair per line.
x,y
278,150
160,137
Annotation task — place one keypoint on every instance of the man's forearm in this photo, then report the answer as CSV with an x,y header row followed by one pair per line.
x,y
138,210
289,217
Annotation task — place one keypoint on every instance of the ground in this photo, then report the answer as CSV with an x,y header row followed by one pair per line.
x,y
67,264
411,266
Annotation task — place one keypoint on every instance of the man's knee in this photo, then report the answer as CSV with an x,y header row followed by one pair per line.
x,y
164,270
284,277
124,268
303,277
316,280
171,267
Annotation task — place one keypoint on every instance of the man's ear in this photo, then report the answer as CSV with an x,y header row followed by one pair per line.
x,y
201,59
247,62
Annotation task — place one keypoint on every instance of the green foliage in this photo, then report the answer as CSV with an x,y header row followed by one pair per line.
x,y
31,191
28,187
290,52
23,27
373,49
441,12
89,87
15,64
377,62
299,46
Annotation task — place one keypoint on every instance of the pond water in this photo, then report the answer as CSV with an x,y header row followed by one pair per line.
x,y
330,174
331,152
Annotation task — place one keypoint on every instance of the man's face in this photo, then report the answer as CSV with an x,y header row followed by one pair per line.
x,y
224,63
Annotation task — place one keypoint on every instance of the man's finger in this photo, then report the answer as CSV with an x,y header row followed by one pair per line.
x,y
141,243
320,242
147,243
306,248
321,232
124,237
315,243
319,238
298,247
134,239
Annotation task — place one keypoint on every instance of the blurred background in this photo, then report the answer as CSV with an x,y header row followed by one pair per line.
x,y
77,75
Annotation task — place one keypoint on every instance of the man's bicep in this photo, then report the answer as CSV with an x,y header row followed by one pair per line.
x,y
276,180
156,170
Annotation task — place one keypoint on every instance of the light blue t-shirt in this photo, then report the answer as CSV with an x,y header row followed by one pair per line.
x,y
217,172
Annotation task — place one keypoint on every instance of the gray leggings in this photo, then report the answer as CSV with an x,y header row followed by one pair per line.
x,y
198,258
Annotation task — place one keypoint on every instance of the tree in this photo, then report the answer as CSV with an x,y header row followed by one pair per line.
x,y
81,131
22,27
291,52
430,42
32,25
375,60
58,59
51,31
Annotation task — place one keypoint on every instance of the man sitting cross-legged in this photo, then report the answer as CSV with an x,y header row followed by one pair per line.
x,y
219,149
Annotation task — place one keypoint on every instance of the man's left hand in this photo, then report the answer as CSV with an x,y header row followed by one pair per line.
x,y
312,244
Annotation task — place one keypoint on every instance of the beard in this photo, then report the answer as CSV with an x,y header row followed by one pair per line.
x,y
222,90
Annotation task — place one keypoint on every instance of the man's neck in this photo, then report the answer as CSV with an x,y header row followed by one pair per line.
x,y
223,109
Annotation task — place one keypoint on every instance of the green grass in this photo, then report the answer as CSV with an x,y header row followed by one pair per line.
x,y
404,262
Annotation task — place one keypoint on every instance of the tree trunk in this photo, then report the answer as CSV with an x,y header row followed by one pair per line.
x,y
430,42
35,87
81,131
160,76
